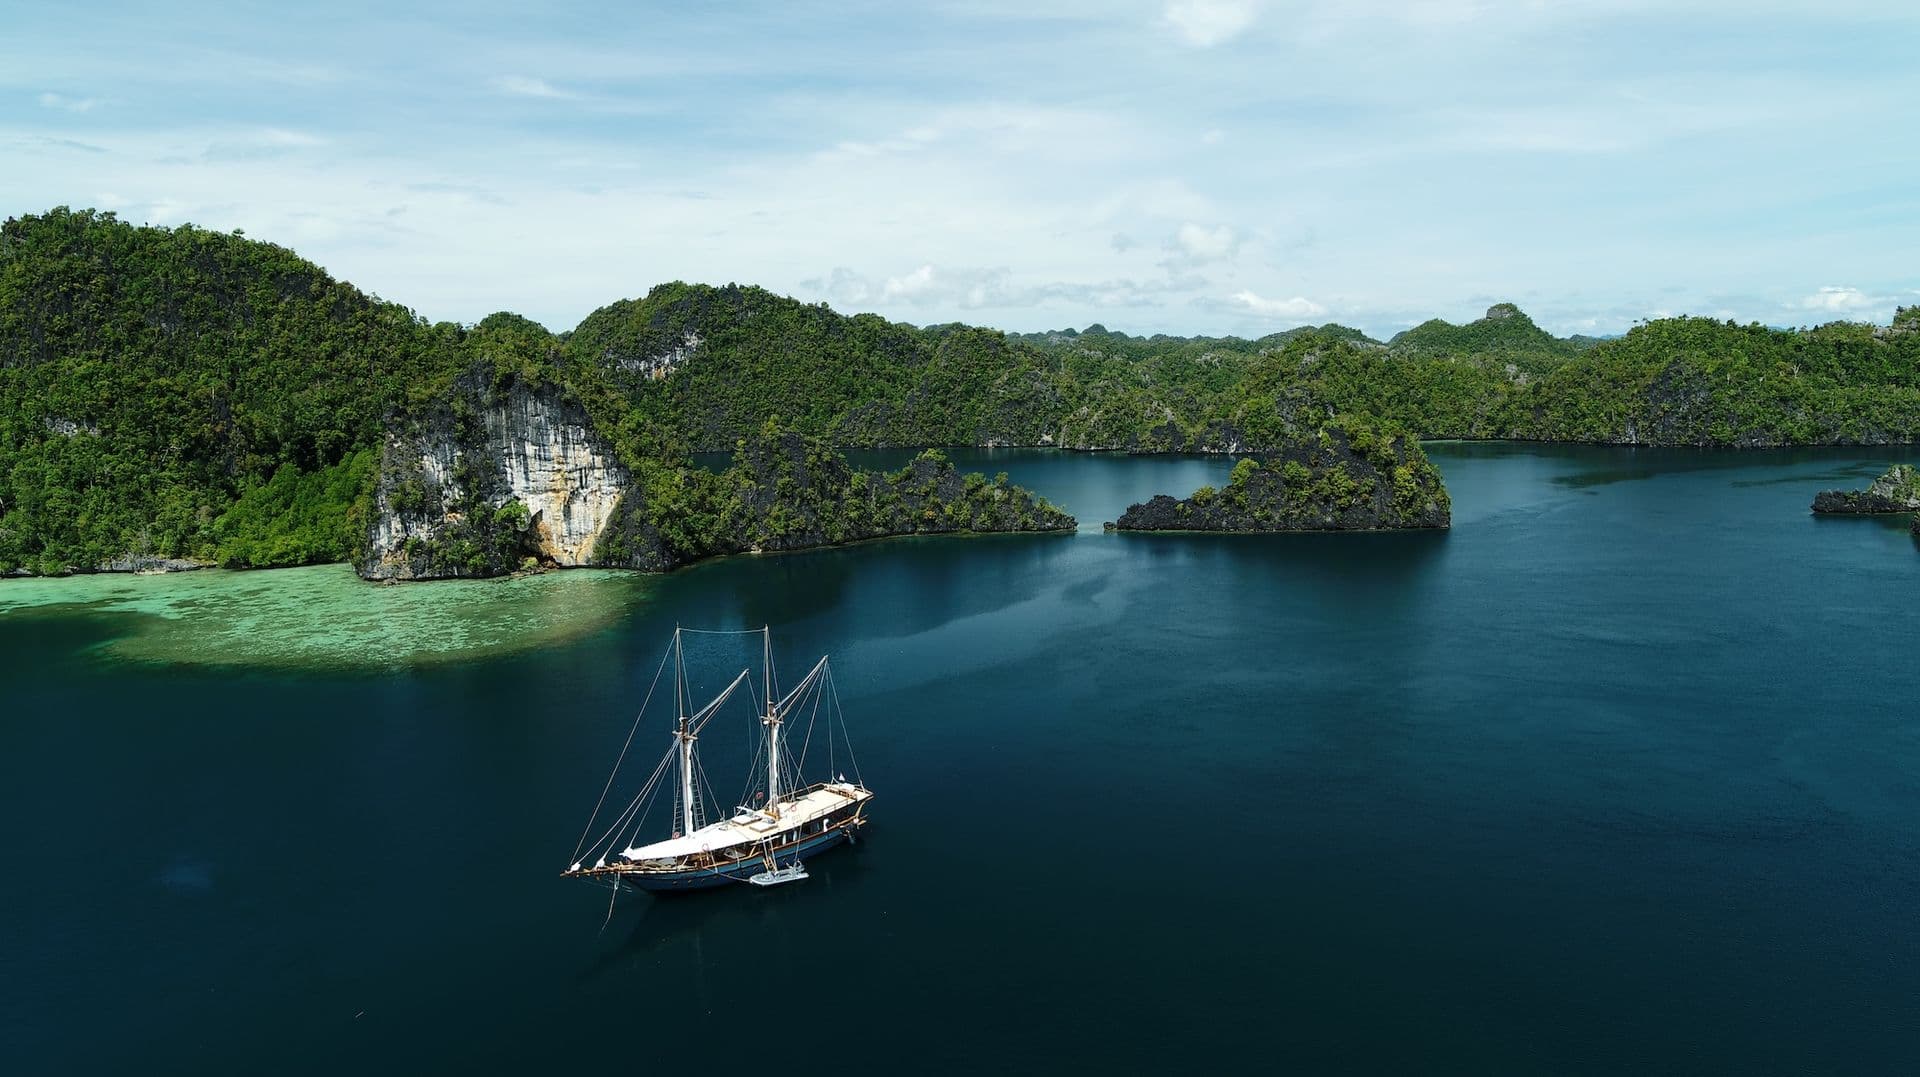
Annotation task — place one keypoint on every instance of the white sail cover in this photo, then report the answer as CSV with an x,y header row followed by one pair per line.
x,y
750,827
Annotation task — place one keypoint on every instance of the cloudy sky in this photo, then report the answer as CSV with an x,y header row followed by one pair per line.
x,y
1186,166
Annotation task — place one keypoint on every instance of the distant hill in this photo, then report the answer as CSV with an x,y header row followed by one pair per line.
x,y
1505,333
183,393
714,363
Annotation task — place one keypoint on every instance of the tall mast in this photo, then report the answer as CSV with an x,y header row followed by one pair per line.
x,y
773,731
683,734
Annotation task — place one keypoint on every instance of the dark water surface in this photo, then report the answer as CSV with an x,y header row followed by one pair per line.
x,y
1623,773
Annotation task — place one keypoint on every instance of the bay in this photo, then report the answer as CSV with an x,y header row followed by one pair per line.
x,y
1619,773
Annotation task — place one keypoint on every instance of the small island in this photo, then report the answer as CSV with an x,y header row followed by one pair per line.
x,y
1896,491
1345,476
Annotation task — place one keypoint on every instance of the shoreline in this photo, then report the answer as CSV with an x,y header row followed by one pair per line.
x,y
156,566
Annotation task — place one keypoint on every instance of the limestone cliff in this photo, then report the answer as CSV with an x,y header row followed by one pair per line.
x,y
500,472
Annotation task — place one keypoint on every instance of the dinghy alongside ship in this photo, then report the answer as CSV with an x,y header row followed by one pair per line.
x,y
761,843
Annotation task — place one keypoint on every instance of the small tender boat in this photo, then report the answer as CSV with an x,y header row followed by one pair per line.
x,y
760,843
792,873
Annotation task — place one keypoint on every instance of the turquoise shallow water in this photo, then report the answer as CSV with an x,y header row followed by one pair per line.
x,y
1618,774
325,617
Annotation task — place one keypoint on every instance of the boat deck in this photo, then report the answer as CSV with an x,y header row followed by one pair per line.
x,y
753,827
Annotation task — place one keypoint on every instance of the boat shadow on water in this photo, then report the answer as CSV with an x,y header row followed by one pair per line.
x,y
645,923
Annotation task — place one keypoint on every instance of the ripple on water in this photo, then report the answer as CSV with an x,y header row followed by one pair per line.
x,y
326,617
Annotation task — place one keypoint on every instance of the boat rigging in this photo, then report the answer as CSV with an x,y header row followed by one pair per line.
x,y
762,840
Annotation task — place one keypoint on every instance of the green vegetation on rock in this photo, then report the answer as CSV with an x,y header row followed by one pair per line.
x,y
1349,474
299,518
787,491
1897,490
178,393
152,378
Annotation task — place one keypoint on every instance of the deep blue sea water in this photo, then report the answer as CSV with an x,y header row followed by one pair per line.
x,y
1621,774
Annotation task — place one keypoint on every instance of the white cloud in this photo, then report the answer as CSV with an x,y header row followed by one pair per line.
x,y
69,104
906,142
1297,307
1206,23
280,136
965,288
1206,244
1082,149
267,142
1840,300
926,285
527,86
919,284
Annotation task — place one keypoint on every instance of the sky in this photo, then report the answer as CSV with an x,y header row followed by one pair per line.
x,y
1179,166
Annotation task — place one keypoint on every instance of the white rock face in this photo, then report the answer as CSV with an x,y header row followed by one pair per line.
x,y
566,477
534,451
656,367
391,527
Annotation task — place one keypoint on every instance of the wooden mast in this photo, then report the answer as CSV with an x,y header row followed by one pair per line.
x,y
684,734
773,731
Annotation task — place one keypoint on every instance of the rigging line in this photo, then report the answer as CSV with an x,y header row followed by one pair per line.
x,y
794,765
601,849
805,682
852,760
772,678
640,804
725,631
680,672
807,741
699,817
759,748
788,774
610,900
631,806
639,821
699,719
652,794
833,772
753,772
623,755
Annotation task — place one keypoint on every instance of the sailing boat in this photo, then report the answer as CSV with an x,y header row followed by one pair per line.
x,y
763,840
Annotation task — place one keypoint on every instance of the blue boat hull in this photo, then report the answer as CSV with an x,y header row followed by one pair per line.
x,y
706,878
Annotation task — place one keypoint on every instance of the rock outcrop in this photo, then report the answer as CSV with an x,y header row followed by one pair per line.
x,y
1339,478
790,492
796,493
148,565
1896,491
495,475
502,472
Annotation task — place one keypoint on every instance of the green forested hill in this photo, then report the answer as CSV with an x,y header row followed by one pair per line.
x,y
151,377
182,393
713,364
1504,335
178,392
1670,381
1697,381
